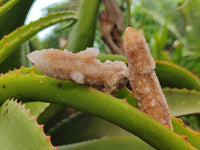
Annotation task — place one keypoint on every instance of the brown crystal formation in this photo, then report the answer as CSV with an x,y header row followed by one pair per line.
x,y
82,67
145,85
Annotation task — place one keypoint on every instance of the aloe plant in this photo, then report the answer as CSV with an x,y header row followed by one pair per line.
x,y
117,117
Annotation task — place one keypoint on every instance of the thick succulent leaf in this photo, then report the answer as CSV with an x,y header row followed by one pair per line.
x,y
182,101
6,7
171,95
49,112
181,129
14,18
174,76
114,143
82,127
125,93
44,111
88,99
17,59
169,75
53,114
25,50
19,130
83,32
20,35
36,108
24,70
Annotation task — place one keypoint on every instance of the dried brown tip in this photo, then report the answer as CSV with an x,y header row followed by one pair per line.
x,y
145,85
82,67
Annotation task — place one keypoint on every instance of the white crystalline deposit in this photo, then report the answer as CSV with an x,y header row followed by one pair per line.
x,y
77,76
81,67
143,80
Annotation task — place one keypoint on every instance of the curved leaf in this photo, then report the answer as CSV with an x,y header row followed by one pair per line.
x,y
6,7
180,128
44,111
19,130
82,33
14,18
182,101
90,100
175,108
36,108
174,76
124,93
20,35
25,70
114,143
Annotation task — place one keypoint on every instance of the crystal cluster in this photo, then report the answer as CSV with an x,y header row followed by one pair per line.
x,y
82,67
145,85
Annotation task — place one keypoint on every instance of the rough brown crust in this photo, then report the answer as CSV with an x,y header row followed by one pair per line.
x,y
145,85
82,67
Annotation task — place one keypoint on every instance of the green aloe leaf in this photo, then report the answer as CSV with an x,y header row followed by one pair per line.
x,y
20,35
51,111
44,111
35,87
20,130
83,32
6,7
187,98
174,76
36,108
182,101
16,16
25,70
181,129
113,143
126,94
